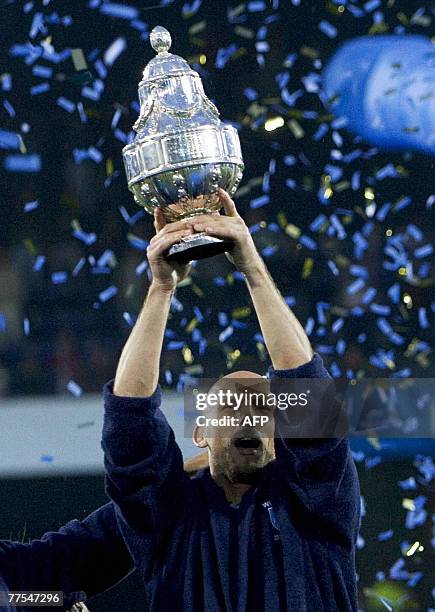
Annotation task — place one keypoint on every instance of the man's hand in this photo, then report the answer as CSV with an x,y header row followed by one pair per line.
x,y
243,255
166,275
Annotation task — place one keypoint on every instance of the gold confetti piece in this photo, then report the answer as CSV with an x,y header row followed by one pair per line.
x,y
198,27
194,370
75,224
232,357
342,186
341,260
378,28
236,10
309,52
202,59
423,20
374,442
408,504
241,313
23,148
328,193
240,51
332,8
307,267
191,326
197,41
411,348
255,109
109,166
294,112
402,171
187,354
402,271
244,32
197,290
282,219
273,124
296,128
271,100
423,359
230,279
407,300
413,549
78,59
369,193
29,245
402,18
292,231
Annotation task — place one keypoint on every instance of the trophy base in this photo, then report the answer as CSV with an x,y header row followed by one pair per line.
x,y
198,246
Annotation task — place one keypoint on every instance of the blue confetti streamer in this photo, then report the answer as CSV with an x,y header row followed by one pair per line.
x,y
108,293
327,28
119,10
29,206
74,389
22,163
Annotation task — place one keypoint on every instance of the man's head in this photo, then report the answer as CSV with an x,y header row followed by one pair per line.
x,y
240,445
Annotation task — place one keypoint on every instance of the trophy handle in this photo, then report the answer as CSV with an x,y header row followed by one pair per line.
x,y
140,123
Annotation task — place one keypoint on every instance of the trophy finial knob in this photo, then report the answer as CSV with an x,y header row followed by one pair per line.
x,y
160,39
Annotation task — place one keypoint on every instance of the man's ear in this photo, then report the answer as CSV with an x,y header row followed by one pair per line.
x,y
198,437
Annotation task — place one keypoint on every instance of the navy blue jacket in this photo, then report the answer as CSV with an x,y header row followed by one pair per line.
x,y
82,559
289,546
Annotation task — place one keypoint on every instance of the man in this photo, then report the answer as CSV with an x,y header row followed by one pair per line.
x,y
82,559
273,529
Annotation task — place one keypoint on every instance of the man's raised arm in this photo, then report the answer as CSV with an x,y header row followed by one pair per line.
x,y
144,465
286,341
138,369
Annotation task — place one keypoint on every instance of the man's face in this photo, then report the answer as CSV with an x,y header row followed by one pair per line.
x,y
239,450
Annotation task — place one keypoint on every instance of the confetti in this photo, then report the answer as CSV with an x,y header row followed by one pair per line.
x,y
74,389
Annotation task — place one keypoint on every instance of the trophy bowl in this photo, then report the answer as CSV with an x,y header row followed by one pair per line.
x,y
182,153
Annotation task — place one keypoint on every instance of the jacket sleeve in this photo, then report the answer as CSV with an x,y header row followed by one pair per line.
x,y
82,558
144,471
319,469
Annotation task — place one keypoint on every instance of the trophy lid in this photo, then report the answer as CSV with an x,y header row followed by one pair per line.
x,y
164,64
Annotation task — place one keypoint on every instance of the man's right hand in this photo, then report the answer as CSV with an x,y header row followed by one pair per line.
x,y
166,275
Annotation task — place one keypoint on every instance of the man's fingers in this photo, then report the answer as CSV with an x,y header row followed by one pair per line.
x,y
221,228
174,226
228,204
159,219
164,241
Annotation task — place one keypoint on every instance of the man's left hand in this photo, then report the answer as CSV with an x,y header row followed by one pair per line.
x,y
243,255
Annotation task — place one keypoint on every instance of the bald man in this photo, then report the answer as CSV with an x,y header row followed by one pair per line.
x,y
271,525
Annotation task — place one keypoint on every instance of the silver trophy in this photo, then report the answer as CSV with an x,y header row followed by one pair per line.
x,y
181,153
